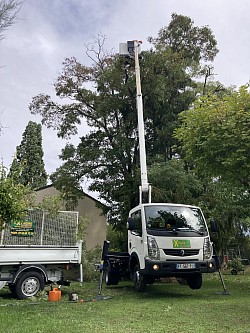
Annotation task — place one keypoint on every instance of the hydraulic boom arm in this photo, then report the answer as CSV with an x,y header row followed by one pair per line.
x,y
132,49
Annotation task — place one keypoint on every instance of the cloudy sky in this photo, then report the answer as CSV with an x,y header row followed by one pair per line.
x,y
48,31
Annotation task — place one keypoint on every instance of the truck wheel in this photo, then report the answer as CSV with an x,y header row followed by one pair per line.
x,y
194,281
112,278
139,280
29,284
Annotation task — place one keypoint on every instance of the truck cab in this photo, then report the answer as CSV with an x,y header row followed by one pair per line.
x,y
169,240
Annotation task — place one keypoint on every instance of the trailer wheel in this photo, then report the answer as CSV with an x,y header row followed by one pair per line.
x,y
29,284
234,271
194,281
112,278
139,280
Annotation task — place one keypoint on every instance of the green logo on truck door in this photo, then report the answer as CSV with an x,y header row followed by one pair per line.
x,y
181,243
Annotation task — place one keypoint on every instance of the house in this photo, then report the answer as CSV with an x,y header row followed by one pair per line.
x,y
97,227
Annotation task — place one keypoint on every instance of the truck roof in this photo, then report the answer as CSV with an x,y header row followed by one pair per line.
x,y
165,204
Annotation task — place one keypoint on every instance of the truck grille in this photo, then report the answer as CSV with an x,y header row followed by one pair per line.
x,y
181,252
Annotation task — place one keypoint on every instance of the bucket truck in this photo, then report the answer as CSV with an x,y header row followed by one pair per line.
x,y
164,239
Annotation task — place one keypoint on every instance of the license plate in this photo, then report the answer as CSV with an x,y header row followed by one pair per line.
x,y
185,266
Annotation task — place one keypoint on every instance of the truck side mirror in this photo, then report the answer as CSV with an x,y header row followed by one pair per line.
x,y
131,224
214,226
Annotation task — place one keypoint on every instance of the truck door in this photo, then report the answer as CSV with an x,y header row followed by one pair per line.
x,y
135,238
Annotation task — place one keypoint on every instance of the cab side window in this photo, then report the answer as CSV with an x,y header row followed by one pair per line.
x,y
138,225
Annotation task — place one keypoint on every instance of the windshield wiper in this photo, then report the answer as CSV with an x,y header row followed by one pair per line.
x,y
190,229
197,231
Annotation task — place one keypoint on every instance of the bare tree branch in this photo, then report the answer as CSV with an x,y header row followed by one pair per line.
x,y
95,51
9,10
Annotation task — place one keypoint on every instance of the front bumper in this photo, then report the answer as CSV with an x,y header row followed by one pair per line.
x,y
176,268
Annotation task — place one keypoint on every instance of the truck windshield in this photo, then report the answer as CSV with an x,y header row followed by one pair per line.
x,y
174,218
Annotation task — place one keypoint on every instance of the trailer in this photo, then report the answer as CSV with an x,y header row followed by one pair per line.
x,y
40,250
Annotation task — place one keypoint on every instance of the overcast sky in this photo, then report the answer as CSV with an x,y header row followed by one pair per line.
x,y
50,30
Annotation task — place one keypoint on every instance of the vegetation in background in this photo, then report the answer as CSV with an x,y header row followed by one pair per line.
x,y
15,199
104,95
230,207
117,238
211,141
215,143
89,257
215,137
28,167
235,264
52,204
173,183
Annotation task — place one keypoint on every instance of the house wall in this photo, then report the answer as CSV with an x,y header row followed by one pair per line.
x,y
97,227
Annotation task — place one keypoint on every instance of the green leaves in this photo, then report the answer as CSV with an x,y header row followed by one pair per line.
x,y
215,136
15,199
27,167
104,95
190,42
172,183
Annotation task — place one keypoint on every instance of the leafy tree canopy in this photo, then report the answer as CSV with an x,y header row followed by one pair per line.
x,y
15,199
215,136
104,94
230,207
191,43
172,183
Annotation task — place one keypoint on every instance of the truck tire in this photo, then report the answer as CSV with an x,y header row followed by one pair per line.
x,y
112,277
28,284
194,281
139,280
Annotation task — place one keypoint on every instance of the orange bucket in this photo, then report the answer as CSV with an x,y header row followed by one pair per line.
x,y
55,295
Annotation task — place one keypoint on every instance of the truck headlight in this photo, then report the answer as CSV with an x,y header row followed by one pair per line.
x,y
207,249
153,249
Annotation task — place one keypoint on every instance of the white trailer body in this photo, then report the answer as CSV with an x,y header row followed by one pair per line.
x,y
23,255
41,250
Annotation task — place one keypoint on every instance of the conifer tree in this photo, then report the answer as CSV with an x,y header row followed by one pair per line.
x,y
28,167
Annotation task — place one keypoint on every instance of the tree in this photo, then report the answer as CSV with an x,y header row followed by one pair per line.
x,y
27,167
8,14
192,44
15,199
108,155
215,137
215,142
230,207
172,183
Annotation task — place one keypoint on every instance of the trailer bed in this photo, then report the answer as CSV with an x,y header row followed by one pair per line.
x,y
11,255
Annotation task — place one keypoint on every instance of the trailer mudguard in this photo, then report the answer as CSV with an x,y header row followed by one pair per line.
x,y
25,268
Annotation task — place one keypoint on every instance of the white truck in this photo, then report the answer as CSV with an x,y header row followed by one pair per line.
x,y
41,250
164,239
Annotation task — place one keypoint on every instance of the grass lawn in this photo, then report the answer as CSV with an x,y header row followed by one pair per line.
x,y
164,307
